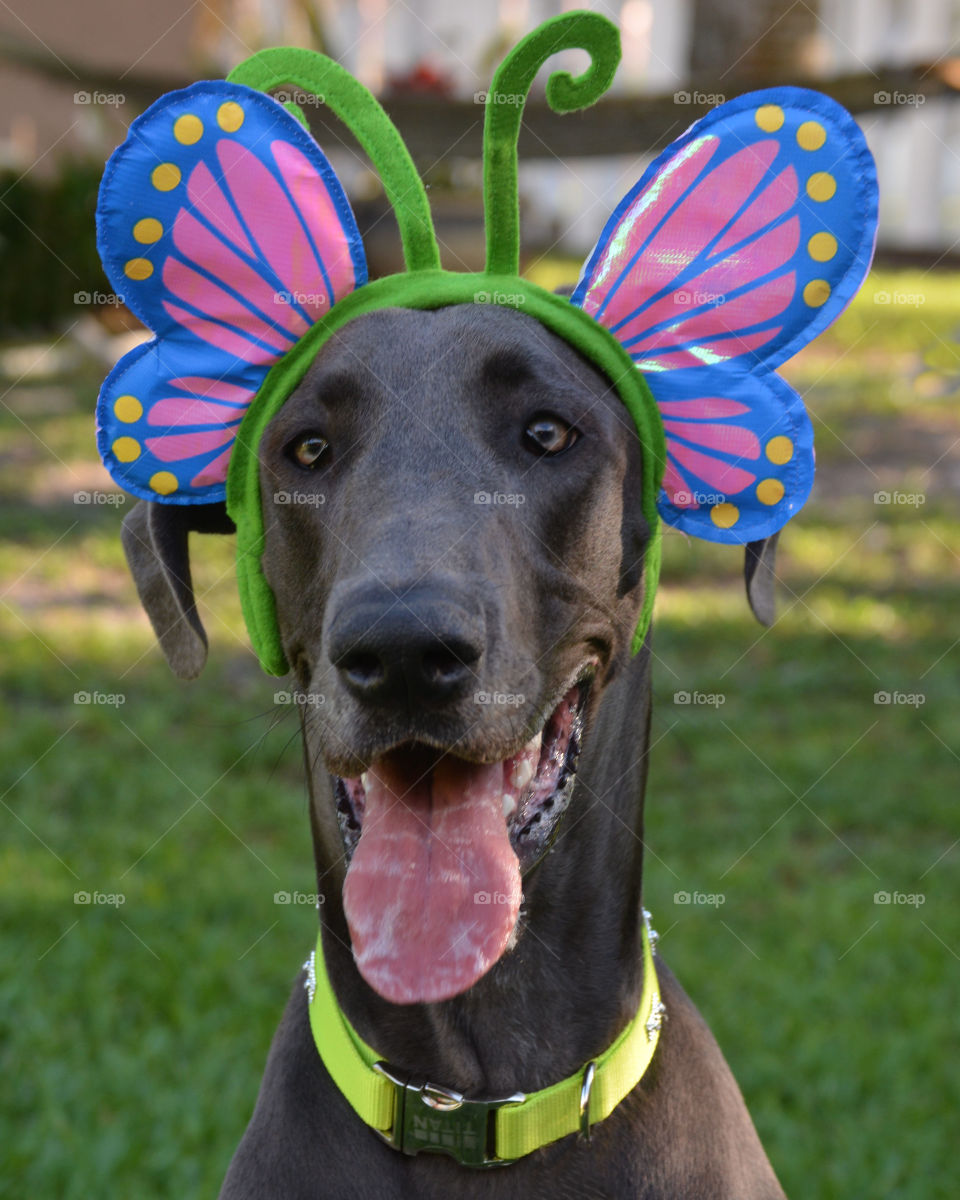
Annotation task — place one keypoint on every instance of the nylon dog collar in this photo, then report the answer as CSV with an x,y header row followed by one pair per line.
x,y
228,233
414,1115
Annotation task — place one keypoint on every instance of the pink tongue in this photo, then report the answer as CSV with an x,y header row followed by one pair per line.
x,y
433,890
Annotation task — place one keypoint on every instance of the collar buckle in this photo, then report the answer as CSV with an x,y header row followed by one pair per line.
x,y
439,1120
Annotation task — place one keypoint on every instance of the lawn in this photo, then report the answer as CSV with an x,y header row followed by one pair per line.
x,y
785,802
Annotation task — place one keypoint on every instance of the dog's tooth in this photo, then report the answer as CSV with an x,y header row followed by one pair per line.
x,y
522,773
365,780
535,742
509,802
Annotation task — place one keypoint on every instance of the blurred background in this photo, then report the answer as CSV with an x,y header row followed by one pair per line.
x,y
802,833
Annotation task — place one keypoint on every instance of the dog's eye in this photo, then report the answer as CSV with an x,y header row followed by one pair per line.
x,y
547,434
306,451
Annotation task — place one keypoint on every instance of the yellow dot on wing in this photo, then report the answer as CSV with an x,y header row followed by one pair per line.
x,y
816,293
769,117
164,482
165,177
821,186
769,491
127,409
724,515
779,449
822,247
148,230
188,129
126,448
230,116
138,268
811,135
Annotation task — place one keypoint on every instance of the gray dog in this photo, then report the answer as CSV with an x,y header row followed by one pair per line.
x,y
403,600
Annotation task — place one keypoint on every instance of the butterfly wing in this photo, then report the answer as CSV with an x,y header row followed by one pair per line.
x,y
739,452
228,234
743,240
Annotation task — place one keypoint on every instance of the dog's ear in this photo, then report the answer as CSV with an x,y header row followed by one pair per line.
x,y
760,577
155,542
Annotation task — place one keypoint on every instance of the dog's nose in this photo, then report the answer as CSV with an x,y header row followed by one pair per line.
x,y
408,648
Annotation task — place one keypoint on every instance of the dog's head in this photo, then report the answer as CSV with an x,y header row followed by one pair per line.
x,y
447,488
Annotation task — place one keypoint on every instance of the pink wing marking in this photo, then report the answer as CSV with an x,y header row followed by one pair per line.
x,y
650,207
708,353
702,408
213,472
693,224
745,310
183,410
725,477
217,335
771,203
207,197
175,447
680,491
730,439
264,206
196,243
314,203
195,289
216,389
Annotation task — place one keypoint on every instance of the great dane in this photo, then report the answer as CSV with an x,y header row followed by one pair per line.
x,y
462,600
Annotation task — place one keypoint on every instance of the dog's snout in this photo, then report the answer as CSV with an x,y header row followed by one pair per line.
x,y
395,648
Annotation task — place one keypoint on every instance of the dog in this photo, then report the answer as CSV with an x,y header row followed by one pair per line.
x,y
464,595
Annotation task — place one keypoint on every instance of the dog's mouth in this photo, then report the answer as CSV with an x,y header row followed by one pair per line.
x,y
436,848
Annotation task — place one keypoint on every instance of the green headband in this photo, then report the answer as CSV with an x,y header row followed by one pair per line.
x,y
424,285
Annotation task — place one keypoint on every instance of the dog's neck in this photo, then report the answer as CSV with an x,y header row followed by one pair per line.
x,y
575,976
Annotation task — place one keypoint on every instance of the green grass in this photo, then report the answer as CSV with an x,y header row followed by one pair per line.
x,y
132,1038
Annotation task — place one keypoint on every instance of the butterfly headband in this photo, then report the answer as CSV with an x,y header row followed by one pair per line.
x,y
229,235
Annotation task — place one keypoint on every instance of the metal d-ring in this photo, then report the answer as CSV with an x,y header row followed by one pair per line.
x,y
589,1071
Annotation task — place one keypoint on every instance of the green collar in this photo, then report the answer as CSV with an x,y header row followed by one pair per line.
x,y
413,1114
